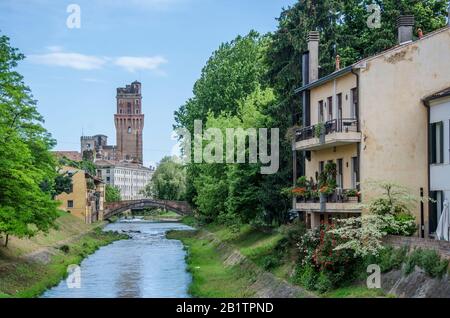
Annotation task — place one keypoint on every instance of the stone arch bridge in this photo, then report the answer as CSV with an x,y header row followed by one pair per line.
x,y
115,208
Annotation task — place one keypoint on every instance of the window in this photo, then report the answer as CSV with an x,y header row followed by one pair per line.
x,y
129,108
321,111
129,130
108,171
70,203
330,108
137,111
339,105
437,143
321,166
108,179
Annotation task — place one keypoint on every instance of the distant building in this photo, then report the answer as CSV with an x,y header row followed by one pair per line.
x,y
130,178
87,197
96,147
129,122
72,155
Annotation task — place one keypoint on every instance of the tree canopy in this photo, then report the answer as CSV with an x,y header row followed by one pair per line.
x,y
27,167
168,181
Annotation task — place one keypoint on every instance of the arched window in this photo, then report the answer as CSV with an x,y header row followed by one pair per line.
x,y
129,130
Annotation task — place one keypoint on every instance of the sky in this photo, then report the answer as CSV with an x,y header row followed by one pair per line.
x,y
74,72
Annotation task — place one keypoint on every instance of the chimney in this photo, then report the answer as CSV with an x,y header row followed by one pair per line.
x,y
420,33
338,62
405,25
313,48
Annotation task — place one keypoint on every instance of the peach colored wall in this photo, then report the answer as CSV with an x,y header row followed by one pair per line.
x,y
344,85
343,152
393,118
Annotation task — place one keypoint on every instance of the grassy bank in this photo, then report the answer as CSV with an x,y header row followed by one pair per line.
x,y
29,267
272,250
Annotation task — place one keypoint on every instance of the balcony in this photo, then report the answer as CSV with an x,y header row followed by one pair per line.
x,y
337,202
333,133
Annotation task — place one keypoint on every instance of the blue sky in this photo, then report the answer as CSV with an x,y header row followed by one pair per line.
x,y
74,73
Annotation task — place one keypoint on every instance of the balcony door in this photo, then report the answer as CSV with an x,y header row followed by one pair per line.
x,y
355,172
436,206
339,174
354,104
339,111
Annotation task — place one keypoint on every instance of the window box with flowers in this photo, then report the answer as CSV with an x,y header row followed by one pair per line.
x,y
352,195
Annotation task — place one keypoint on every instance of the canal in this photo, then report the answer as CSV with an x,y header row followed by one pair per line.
x,y
147,265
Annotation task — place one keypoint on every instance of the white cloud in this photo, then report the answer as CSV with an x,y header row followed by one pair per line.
x,y
142,4
133,64
73,60
78,61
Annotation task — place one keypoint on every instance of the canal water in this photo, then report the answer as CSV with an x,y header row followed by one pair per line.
x,y
147,265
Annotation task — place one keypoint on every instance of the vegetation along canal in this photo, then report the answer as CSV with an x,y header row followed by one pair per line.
x,y
146,265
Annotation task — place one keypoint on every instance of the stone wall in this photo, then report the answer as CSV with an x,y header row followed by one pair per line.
x,y
442,247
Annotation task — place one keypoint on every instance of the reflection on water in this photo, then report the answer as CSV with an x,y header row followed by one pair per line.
x,y
147,265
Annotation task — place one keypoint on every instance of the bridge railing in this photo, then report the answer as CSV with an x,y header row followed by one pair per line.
x,y
116,207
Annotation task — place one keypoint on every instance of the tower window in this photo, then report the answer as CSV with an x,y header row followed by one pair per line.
x,y
137,111
129,130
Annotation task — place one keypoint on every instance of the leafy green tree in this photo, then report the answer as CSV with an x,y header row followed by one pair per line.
x,y
168,181
112,194
232,73
26,206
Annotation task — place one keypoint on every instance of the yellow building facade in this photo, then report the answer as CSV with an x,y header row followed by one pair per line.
x,y
86,200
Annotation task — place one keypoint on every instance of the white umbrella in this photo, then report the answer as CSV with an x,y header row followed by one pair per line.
x,y
442,231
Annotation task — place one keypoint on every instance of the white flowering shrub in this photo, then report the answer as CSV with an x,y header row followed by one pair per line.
x,y
363,235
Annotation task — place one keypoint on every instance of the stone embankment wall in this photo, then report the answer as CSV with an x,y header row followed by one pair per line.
x,y
442,247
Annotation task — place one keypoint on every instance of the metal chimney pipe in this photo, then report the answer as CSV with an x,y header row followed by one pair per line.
x,y
405,24
313,48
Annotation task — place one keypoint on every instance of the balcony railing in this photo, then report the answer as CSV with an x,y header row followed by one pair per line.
x,y
338,196
332,126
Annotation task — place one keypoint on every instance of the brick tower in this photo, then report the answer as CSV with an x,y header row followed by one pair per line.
x,y
129,122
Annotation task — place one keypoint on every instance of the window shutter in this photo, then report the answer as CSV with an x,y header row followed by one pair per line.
x,y
432,143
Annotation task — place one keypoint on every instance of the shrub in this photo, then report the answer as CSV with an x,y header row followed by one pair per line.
x,y
307,277
403,224
323,283
270,261
429,261
65,249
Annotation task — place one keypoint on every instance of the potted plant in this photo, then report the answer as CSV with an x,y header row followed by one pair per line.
x,y
352,195
319,132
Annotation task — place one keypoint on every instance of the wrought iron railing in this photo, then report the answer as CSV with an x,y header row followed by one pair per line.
x,y
329,127
338,196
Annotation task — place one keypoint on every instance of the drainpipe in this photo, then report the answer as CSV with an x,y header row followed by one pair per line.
x,y
358,146
422,219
